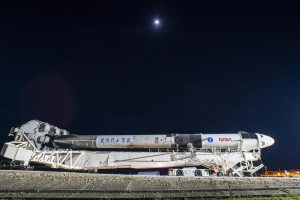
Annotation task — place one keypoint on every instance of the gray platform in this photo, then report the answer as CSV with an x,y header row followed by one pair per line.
x,y
83,185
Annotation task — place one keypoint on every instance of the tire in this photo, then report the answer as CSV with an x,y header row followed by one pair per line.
x,y
248,174
230,174
179,172
220,174
198,172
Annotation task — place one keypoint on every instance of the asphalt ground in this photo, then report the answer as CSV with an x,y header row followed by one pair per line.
x,y
45,184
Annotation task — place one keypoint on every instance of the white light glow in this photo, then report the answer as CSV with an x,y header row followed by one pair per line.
x,y
157,22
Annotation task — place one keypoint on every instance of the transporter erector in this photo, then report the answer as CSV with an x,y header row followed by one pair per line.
x,y
233,154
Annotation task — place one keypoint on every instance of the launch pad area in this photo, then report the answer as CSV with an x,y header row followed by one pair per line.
x,y
45,184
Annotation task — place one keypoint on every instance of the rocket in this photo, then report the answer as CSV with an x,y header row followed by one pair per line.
x,y
43,134
242,140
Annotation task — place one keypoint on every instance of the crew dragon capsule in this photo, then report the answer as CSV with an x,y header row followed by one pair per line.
x,y
242,140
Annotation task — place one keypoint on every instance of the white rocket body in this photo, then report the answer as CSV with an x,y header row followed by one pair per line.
x,y
43,133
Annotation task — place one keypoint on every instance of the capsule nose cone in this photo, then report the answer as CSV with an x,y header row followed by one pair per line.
x,y
266,141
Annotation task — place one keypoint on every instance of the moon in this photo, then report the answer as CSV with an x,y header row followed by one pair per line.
x,y
157,22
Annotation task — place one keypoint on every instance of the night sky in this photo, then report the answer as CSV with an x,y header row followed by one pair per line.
x,y
105,68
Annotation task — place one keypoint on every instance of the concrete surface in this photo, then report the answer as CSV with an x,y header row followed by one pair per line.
x,y
43,184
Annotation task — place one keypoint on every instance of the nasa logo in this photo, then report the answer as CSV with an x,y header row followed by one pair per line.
x,y
225,139
210,139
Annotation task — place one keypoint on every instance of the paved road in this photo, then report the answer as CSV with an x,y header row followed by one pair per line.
x,y
79,185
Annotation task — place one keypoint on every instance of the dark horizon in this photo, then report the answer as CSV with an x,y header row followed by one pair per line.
x,y
94,67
